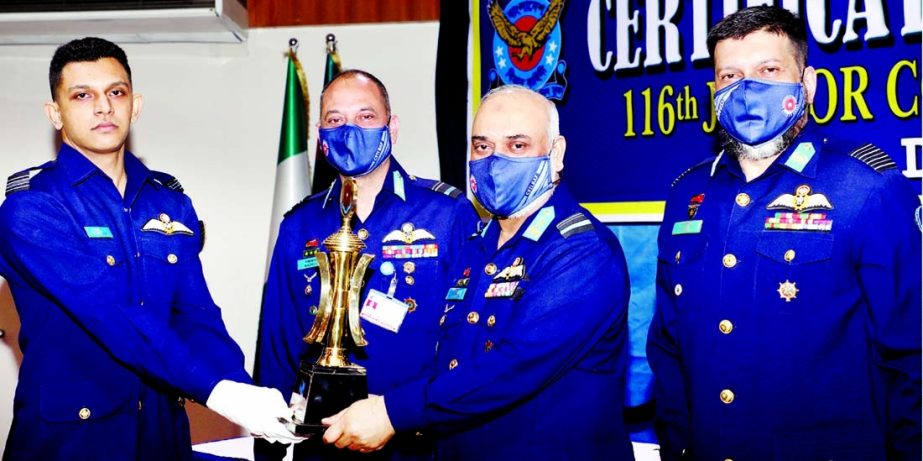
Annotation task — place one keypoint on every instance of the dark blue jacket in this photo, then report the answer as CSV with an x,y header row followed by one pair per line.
x,y
117,323
532,349
438,218
788,310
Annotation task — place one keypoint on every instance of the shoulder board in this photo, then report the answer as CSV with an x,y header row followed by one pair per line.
x,y
874,157
707,161
437,186
167,180
574,224
201,235
18,182
318,196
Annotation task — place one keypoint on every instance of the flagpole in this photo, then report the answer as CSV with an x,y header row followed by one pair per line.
x,y
293,175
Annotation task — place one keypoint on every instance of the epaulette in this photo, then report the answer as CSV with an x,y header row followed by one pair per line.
x,y
574,224
321,195
443,188
201,235
167,180
689,170
18,182
874,157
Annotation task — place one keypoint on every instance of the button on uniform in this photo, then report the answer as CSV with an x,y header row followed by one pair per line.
x,y
726,326
678,255
726,396
409,267
363,234
171,258
409,280
453,363
110,260
473,317
789,255
490,269
678,289
84,413
742,199
491,321
729,260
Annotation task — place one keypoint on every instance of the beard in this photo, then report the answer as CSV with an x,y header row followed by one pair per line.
x,y
768,149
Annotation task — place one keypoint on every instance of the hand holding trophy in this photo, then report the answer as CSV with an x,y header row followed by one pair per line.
x,y
332,383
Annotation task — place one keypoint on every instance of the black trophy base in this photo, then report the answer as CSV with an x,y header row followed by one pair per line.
x,y
322,392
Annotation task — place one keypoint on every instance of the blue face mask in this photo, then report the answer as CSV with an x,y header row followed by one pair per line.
x,y
355,151
755,111
505,185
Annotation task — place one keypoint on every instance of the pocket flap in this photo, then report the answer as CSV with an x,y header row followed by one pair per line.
x,y
795,247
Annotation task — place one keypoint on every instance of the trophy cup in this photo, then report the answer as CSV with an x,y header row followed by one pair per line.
x,y
332,383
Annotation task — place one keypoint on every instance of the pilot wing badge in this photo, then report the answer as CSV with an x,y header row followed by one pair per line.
x,y
163,224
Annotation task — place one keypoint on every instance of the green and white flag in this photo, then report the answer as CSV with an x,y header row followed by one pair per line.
x,y
293,178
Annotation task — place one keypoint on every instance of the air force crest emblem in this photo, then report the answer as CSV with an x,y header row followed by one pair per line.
x,y
527,46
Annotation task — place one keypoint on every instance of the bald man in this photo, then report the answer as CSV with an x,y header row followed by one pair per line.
x,y
529,363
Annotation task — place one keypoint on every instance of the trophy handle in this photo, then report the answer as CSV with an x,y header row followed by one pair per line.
x,y
355,285
325,309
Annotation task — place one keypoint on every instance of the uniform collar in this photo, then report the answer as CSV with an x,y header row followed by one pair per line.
x,y
77,168
539,223
800,157
396,182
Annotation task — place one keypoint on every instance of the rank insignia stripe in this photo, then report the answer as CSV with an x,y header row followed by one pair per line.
x,y
574,224
167,228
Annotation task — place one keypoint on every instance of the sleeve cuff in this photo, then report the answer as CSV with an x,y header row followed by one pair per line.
x,y
405,406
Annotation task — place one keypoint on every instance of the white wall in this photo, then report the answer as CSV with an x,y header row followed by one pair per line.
x,y
211,117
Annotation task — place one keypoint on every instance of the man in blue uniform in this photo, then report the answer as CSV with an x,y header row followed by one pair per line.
x,y
530,358
102,257
788,305
411,225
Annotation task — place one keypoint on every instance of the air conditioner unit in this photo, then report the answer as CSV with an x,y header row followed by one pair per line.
x,y
123,21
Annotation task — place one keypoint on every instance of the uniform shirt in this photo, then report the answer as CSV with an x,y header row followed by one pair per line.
x,y
117,322
415,228
788,310
531,355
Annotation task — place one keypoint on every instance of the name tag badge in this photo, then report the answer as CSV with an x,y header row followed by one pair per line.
x,y
384,311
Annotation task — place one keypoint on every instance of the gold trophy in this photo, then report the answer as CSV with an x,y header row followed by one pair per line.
x,y
333,383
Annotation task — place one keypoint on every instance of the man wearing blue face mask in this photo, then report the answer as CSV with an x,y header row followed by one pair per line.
x,y
530,358
788,307
413,226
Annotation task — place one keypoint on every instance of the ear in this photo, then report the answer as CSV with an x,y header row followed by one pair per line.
x,y
809,80
558,147
137,101
394,126
53,112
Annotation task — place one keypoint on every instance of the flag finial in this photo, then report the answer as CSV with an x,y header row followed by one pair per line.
x,y
331,43
293,44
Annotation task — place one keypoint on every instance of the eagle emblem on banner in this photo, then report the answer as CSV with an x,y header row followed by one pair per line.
x,y
527,46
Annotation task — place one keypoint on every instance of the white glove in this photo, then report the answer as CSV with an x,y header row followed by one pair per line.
x,y
256,409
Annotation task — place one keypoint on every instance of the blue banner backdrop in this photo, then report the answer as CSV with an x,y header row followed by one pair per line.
x,y
633,83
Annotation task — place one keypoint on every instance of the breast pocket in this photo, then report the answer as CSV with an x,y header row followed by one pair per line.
x,y
794,269
165,259
681,262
